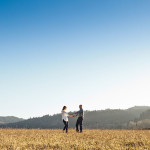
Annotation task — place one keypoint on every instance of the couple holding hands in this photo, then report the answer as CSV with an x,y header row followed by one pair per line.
x,y
65,116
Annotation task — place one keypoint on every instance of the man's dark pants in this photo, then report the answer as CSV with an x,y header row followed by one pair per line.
x,y
79,122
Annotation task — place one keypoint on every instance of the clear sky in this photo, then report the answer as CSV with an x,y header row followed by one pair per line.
x,y
71,52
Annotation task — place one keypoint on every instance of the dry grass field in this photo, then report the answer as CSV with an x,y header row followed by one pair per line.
x,y
30,139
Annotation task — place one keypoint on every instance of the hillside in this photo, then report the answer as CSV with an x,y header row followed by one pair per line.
x,y
9,119
104,119
137,110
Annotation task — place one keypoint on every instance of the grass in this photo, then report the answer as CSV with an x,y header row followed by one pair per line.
x,y
39,139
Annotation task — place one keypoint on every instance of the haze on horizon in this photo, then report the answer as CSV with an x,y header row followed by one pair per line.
x,y
55,53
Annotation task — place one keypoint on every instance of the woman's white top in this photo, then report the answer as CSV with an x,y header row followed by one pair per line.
x,y
64,115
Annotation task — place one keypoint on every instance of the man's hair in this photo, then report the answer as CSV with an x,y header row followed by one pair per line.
x,y
64,108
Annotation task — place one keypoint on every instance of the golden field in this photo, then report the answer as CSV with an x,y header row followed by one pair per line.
x,y
44,139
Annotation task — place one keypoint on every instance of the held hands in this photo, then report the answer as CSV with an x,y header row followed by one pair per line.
x,y
72,114
75,115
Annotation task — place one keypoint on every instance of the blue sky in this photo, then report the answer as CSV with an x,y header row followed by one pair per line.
x,y
55,53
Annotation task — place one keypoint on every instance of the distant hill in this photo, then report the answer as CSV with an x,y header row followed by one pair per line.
x,y
9,119
104,119
145,115
143,122
137,110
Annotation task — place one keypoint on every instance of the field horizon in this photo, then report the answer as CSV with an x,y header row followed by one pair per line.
x,y
137,117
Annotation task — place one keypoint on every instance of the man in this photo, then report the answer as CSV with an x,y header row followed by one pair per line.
x,y
80,119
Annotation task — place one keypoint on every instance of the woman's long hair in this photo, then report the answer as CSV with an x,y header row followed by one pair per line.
x,y
64,108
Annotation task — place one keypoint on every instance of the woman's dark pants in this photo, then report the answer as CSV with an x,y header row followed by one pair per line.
x,y
66,126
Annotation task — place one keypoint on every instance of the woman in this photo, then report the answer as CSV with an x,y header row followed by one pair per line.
x,y
65,116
